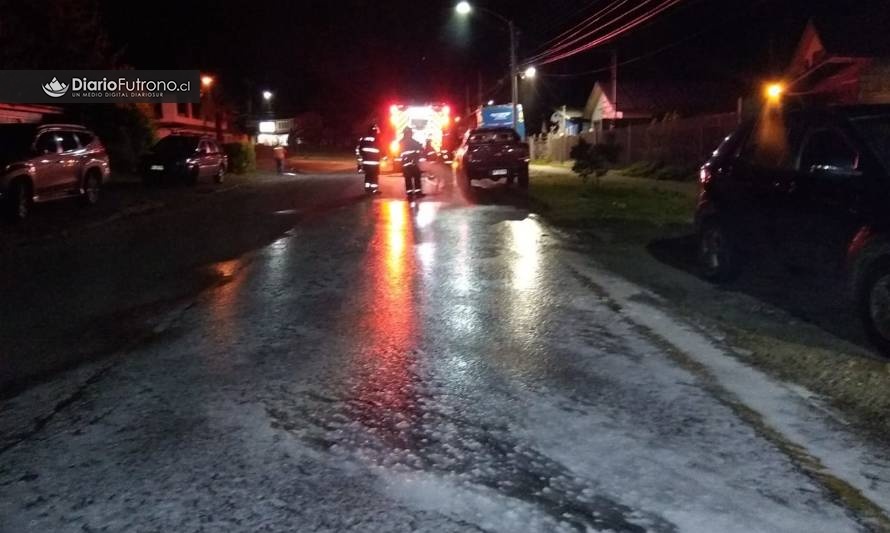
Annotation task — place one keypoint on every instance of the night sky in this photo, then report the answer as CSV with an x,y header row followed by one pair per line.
x,y
343,58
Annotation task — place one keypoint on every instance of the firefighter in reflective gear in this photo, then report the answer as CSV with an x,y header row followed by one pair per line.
x,y
429,151
369,153
410,155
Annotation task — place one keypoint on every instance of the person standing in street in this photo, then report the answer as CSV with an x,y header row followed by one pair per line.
x,y
280,154
369,152
410,154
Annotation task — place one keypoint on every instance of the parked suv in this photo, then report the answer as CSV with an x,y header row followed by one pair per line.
x,y
809,188
39,163
492,153
184,157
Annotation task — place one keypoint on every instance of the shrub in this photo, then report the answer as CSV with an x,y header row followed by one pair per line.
x,y
676,173
642,169
242,157
594,160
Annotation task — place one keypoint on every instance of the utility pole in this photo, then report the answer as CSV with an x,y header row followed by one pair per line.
x,y
514,81
467,99
615,82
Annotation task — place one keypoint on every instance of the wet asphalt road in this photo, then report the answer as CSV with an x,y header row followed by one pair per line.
x,y
378,366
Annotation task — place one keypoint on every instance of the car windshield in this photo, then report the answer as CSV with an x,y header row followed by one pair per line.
x,y
499,136
876,131
16,139
176,146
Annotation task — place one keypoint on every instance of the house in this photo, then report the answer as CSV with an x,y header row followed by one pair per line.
x,y
192,118
26,112
274,131
647,101
844,58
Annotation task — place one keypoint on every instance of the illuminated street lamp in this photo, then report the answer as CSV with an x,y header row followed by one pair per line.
x,y
530,73
267,95
207,81
464,8
773,92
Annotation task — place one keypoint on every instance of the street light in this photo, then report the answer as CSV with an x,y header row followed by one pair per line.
x,y
206,80
530,73
774,92
464,8
267,95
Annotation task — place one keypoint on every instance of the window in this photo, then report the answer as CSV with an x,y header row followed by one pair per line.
x,y
493,136
196,110
876,132
828,151
46,144
212,148
772,140
85,138
182,109
68,141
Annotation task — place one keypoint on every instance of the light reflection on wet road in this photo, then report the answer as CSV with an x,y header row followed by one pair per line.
x,y
396,366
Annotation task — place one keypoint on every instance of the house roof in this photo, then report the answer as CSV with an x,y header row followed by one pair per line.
x,y
859,31
653,98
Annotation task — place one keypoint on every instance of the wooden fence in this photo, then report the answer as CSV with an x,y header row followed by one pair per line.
x,y
686,141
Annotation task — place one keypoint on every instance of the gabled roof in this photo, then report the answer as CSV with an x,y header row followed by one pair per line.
x,y
654,98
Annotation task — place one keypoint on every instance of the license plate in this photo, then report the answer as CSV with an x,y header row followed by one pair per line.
x,y
157,167
499,172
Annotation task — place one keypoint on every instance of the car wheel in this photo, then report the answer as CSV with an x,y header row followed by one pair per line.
x,y
220,175
92,187
717,256
874,305
18,203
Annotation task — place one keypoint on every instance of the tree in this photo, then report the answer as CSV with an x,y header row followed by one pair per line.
x,y
70,36
125,129
308,129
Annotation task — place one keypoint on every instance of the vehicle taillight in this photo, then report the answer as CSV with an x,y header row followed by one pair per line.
x,y
704,176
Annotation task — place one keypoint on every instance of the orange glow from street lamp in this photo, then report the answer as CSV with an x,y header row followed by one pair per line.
x,y
774,91
206,80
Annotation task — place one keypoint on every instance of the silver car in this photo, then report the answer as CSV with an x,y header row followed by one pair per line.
x,y
40,163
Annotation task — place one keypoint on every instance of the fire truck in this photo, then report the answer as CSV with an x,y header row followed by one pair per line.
x,y
427,121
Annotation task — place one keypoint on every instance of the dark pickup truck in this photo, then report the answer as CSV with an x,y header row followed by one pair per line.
x,y
494,154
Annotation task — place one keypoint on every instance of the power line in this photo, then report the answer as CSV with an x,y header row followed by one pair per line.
x,y
647,55
586,31
574,30
628,61
639,20
560,20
